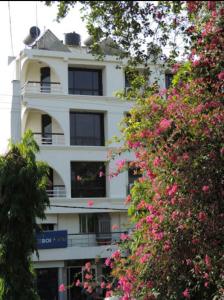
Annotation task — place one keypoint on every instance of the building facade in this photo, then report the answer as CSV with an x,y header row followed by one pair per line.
x,y
67,98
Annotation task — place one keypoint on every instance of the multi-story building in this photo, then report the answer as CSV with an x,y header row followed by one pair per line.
x,y
67,98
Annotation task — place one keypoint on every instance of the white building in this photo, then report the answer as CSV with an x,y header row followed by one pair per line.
x,y
67,98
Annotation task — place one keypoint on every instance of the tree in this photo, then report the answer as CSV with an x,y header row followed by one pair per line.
x,y
176,250
22,199
140,29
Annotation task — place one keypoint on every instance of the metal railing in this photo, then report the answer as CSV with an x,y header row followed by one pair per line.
x,y
42,87
56,191
49,138
94,239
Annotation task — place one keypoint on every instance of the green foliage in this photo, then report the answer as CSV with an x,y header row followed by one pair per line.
x,y
141,30
22,199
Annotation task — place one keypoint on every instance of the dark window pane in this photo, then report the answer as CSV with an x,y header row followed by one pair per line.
x,y
84,81
133,174
45,79
47,227
47,283
86,129
87,181
168,80
46,124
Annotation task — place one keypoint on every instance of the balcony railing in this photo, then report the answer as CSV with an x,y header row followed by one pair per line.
x,y
38,87
94,239
54,139
56,191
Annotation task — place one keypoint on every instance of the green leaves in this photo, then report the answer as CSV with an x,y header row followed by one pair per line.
x,y
23,198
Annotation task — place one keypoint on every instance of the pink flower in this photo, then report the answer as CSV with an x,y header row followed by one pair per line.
x,y
101,174
116,254
207,261
164,125
78,283
167,246
202,216
88,276
171,190
108,294
88,266
120,163
149,219
186,294
221,76
108,262
205,188
90,203
109,286
128,199
115,227
124,236
186,156
61,288
86,285
103,285
144,258
90,290
78,178
156,162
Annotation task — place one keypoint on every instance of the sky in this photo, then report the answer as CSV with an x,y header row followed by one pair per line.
x,y
25,14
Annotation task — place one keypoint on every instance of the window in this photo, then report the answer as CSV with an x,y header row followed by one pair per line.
x,y
45,78
46,124
96,223
85,82
47,283
88,223
86,129
88,179
47,227
168,80
133,175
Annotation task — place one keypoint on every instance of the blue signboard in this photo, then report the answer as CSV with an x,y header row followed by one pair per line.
x,y
52,239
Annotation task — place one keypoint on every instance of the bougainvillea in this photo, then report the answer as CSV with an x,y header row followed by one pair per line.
x,y
177,248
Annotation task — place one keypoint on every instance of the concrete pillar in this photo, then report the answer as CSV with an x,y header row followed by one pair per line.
x,y
16,112
62,278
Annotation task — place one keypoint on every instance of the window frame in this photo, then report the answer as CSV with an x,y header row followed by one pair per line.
x,y
99,90
74,136
168,79
91,189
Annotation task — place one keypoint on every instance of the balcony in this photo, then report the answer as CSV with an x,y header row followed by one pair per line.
x,y
37,87
56,191
94,239
55,139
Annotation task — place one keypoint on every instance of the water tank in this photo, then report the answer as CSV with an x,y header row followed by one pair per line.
x,y
32,36
72,39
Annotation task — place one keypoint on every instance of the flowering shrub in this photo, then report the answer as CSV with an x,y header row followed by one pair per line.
x,y
177,206
91,287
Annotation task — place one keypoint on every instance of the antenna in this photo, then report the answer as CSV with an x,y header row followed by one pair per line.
x,y
10,28
36,14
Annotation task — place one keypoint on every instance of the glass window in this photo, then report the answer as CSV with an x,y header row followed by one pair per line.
x,y
45,79
85,81
47,283
88,223
46,124
168,80
47,227
88,179
133,175
86,129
